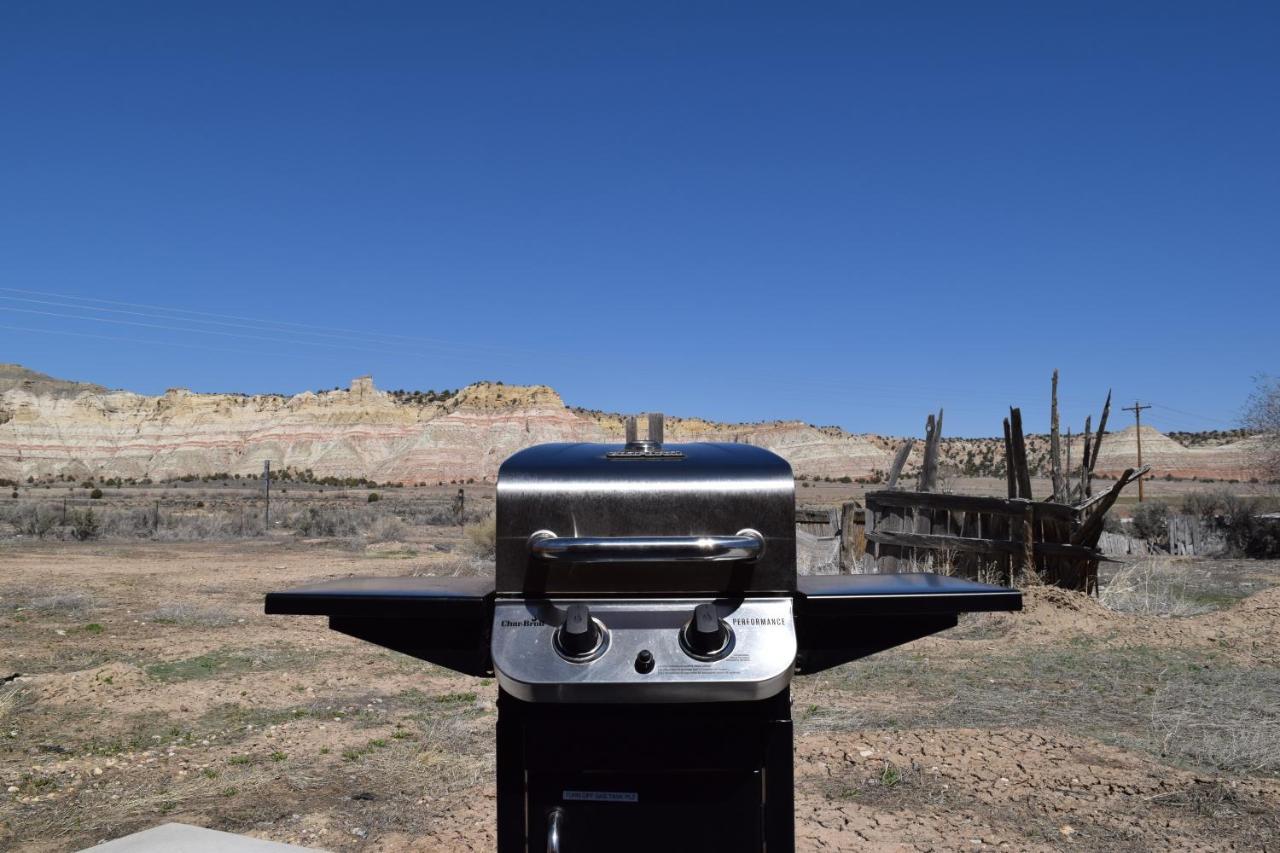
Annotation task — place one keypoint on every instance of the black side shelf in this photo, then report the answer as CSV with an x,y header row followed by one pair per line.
x,y
442,620
840,618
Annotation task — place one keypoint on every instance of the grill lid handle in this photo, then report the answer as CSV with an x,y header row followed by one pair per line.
x,y
744,545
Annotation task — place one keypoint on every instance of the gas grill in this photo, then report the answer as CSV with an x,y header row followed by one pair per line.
x,y
644,623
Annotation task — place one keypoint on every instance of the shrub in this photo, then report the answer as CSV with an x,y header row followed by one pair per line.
x,y
387,529
96,495
1151,521
33,519
374,497
84,526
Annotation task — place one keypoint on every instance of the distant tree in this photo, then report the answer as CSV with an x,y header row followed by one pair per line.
x,y
1262,415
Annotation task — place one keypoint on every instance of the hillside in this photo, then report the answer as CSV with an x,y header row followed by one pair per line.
x,y
54,428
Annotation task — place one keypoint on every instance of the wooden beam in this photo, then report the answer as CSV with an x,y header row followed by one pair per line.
x,y
1091,529
963,503
1084,461
1020,453
929,467
899,460
1015,547
1010,474
1097,444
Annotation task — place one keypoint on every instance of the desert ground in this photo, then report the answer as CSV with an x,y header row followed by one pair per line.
x,y
142,684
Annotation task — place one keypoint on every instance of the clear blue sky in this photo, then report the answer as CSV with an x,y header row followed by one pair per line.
x,y
845,213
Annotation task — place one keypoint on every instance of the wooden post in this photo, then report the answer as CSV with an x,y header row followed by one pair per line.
x,y
1066,498
899,460
1010,474
1085,485
1020,453
1029,542
1097,441
1055,446
929,465
853,539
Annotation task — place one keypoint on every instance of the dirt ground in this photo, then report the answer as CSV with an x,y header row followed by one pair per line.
x,y
144,685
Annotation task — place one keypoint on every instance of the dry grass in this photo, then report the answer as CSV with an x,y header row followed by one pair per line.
x,y
10,699
482,537
1228,721
190,615
62,604
1153,587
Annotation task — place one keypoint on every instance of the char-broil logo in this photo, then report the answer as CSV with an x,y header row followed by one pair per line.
x,y
759,620
523,623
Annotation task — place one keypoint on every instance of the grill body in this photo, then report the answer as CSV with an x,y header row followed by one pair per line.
x,y
644,624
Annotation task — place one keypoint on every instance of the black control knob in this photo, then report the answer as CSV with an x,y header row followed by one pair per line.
x,y
706,635
580,635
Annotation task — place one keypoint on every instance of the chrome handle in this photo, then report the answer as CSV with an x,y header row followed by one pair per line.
x,y
744,545
554,818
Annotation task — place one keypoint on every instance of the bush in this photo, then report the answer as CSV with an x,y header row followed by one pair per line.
x,y
387,529
84,526
95,495
374,497
1151,522
32,519
326,522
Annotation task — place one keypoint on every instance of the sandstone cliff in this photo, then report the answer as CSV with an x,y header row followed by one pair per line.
x,y
86,431
51,428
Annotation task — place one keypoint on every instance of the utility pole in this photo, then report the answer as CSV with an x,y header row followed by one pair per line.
x,y
1137,408
266,479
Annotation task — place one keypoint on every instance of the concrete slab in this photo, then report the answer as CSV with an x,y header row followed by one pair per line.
x,y
181,838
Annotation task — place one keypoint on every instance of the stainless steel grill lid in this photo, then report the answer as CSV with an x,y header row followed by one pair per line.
x,y
606,520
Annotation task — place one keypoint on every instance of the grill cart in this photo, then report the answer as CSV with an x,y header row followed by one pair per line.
x,y
644,623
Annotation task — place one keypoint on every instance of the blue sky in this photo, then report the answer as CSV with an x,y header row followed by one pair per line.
x,y
845,213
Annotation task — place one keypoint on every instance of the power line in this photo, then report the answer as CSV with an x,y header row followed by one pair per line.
x,y
239,335
259,323
1192,414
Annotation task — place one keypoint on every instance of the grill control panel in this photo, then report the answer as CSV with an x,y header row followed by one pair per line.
x,y
668,650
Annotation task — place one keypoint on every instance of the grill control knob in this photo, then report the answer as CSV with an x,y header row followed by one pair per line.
x,y
706,636
580,637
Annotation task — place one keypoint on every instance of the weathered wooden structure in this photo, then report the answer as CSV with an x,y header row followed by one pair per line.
x,y
993,538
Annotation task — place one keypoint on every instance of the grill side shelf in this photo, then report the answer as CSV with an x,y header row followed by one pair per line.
x,y
841,618
442,620
904,594
384,597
